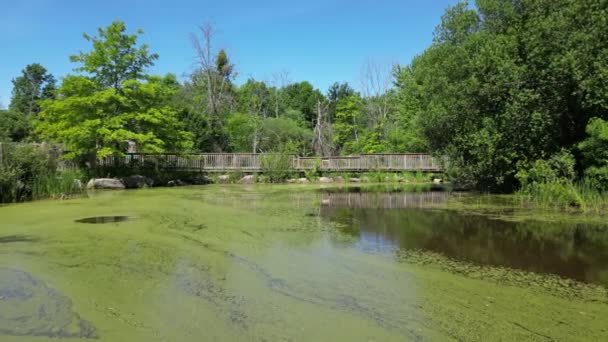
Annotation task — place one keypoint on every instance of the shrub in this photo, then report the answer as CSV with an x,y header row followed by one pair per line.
x,y
557,169
277,167
31,171
597,177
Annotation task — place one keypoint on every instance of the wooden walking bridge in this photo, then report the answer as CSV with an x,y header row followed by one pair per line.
x,y
249,162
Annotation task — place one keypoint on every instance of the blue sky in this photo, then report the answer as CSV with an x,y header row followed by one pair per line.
x,y
321,41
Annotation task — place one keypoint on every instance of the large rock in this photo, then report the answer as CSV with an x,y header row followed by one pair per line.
x,y
325,180
354,180
137,182
303,181
105,183
249,179
177,182
339,179
223,179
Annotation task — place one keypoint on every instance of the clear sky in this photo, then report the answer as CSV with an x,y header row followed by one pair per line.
x,y
321,41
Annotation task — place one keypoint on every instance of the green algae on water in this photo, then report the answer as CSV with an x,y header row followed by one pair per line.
x,y
271,263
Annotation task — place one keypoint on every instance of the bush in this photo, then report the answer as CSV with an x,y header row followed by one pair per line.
x,y
557,169
277,167
31,171
597,177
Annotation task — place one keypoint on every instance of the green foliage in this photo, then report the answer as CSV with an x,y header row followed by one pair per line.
x,y
277,167
241,130
506,82
557,169
29,171
348,112
597,177
33,86
315,172
550,182
56,184
304,98
595,146
285,134
115,57
97,122
13,126
95,116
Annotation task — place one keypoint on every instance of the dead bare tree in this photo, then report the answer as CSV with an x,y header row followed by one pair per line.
x,y
280,80
217,73
212,80
376,80
322,142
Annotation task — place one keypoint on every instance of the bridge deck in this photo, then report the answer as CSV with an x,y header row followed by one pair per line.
x,y
249,162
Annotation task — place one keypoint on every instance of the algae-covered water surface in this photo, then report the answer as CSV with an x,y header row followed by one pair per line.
x,y
292,263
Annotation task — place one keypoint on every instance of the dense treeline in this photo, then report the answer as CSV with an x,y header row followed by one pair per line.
x,y
514,92
510,82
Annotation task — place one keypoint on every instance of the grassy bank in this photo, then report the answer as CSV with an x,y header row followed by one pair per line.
x,y
571,196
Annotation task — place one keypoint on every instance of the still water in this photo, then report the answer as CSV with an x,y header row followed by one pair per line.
x,y
293,263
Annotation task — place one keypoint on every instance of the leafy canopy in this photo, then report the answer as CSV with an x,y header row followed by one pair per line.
x,y
95,116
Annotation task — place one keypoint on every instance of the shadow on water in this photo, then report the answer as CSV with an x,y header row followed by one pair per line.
x,y
103,219
28,307
17,238
576,251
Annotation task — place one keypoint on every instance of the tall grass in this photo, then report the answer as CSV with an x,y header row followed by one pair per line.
x,y
577,196
58,184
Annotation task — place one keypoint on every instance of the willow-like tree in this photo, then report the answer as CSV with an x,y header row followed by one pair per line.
x,y
115,101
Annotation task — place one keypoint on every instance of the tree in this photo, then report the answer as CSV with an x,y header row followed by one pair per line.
x,y
507,83
115,57
13,126
211,84
335,93
33,86
95,116
346,127
595,146
303,97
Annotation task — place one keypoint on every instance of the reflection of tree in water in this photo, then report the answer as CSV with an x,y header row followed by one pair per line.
x,y
29,308
576,251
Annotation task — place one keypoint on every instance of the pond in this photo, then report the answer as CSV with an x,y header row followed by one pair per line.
x,y
292,263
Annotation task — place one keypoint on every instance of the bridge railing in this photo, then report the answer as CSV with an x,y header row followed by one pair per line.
x,y
364,162
198,161
254,162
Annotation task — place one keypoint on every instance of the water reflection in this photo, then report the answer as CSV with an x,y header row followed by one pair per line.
x,y
390,200
577,251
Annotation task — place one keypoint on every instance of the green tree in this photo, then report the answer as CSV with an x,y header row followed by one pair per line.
x,y
94,116
14,126
280,134
507,82
346,126
243,131
115,57
304,98
335,93
33,86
